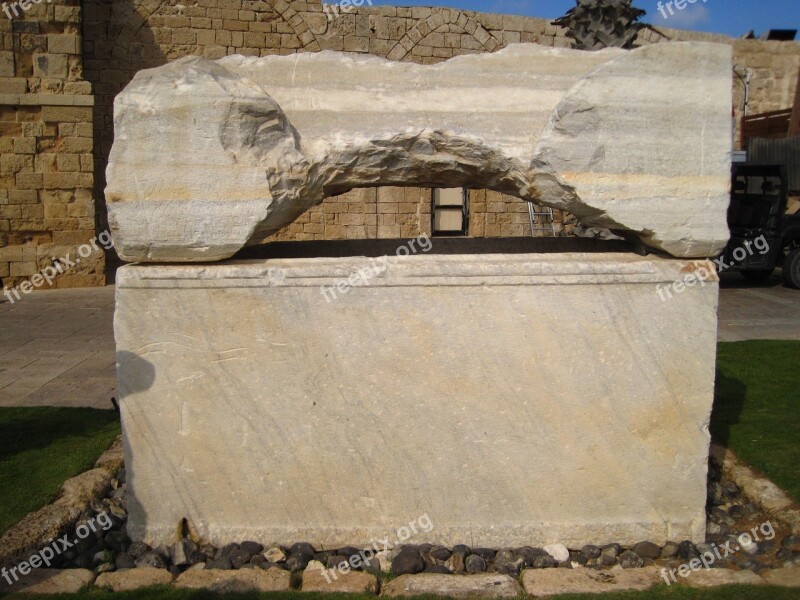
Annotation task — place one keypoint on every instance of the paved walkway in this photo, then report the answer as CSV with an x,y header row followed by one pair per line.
x,y
57,347
757,311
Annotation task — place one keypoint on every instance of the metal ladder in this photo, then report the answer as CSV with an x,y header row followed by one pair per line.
x,y
549,218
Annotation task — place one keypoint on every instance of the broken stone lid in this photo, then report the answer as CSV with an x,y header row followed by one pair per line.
x,y
209,155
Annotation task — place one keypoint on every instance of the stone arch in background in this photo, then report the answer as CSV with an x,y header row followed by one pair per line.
x,y
437,21
143,10
297,23
140,12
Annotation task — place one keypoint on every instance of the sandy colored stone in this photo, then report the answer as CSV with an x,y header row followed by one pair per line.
x,y
241,581
755,486
600,142
113,459
788,577
50,581
578,342
36,529
353,582
552,582
484,585
706,578
133,579
209,155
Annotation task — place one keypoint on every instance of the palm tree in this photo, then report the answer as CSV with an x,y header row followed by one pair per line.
x,y
597,24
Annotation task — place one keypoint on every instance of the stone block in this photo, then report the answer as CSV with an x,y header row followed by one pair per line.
x,y
67,14
234,582
25,145
12,85
71,114
63,44
415,394
786,577
709,578
50,65
453,586
7,64
50,582
68,162
352,582
541,583
134,579
579,148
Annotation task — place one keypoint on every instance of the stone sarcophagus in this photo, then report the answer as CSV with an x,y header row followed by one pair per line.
x,y
515,396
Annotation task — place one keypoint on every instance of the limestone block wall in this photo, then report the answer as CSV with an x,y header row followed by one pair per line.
x,y
79,56
773,69
386,213
47,206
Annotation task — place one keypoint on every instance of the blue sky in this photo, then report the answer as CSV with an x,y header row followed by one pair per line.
x,y
731,17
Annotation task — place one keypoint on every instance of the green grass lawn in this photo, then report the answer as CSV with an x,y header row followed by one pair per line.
x,y
660,593
757,407
40,448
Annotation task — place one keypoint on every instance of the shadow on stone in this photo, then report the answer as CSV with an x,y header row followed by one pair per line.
x,y
729,398
139,374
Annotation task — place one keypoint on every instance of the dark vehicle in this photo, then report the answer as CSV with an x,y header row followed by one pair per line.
x,y
763,236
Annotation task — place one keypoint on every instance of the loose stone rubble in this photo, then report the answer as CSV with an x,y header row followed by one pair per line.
x,y
208,155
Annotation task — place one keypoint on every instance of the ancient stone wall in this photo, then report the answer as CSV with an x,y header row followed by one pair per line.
x,y
49,202
386,213
47,205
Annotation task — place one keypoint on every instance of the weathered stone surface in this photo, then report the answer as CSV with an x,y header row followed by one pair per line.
x,y
229,582
208,154
212,352
50,581
113,459
134,579
552,582
454,586
354,582
717,577
602,143
788,577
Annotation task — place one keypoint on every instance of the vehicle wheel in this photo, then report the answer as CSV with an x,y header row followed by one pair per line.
x,y
757,275
791,269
